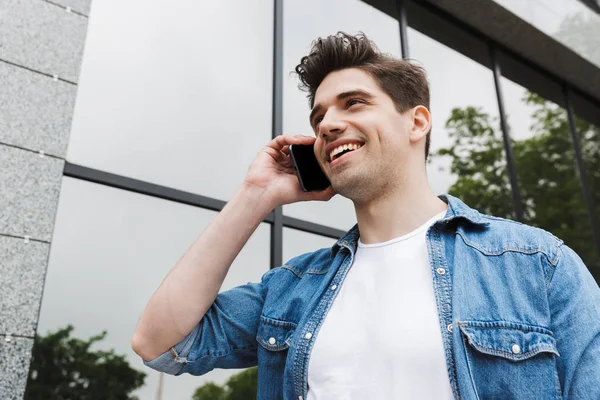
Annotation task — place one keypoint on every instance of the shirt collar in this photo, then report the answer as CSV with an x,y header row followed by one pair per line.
x,y
457,210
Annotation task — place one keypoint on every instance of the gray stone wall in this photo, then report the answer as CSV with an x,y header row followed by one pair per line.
x,y
41,47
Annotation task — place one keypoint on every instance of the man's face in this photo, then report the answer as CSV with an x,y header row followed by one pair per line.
x,y
351,110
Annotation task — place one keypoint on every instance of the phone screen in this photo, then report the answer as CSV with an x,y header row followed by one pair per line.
x,y
308,170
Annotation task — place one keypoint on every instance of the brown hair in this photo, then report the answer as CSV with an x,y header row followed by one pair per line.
x,y
404,82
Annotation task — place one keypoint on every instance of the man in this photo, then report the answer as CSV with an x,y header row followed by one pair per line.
x,y
425,298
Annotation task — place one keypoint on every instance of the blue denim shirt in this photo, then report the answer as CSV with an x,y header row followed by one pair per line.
x,y
519,314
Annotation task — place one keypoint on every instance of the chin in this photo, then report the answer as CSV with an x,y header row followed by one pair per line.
x,y
353,189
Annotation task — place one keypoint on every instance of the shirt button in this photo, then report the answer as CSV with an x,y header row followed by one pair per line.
x,y
516,349
308,336
272,340
334,287
449,328
441,271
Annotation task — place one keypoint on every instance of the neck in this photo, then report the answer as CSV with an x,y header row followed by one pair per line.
x,y
397,212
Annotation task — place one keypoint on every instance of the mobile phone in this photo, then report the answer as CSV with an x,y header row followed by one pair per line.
x,y
309,172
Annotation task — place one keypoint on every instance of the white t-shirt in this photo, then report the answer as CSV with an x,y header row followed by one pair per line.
x,y
381,338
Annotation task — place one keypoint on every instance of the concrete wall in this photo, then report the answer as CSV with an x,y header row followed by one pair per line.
x,y
41,47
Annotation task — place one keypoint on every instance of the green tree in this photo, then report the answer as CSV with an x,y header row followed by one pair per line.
x,y
581,33
210,391
64,368
241,386
477,158
547,175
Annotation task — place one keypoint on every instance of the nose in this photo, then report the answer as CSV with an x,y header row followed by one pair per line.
x,y
331,126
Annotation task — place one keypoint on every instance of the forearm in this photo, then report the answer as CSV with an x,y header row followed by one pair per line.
x,y
192,285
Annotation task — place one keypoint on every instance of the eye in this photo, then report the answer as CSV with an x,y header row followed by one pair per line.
x,y
351,102
317,120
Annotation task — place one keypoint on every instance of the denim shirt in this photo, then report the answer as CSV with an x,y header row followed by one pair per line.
x,y
519,314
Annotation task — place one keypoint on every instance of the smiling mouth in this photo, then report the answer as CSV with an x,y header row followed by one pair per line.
x,y
343,149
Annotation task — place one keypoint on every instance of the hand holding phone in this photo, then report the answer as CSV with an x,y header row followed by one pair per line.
x,y
309,172
273,173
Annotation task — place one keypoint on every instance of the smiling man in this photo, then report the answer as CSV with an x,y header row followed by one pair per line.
x,y
425,298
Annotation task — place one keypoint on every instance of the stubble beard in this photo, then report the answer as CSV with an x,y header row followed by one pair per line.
x,y
361,184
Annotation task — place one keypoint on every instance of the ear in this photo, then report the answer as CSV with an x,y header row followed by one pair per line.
x,y
421,123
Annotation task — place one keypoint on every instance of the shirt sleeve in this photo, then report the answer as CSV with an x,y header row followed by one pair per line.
x,y
224,338
574,299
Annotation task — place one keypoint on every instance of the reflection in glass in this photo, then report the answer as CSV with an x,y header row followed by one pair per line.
x,y
467,156
111,250
64,367
177,93
242,386
589,136
569,21
546,170
305,21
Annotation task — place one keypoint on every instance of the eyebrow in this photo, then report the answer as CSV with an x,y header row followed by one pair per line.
x,y
339,97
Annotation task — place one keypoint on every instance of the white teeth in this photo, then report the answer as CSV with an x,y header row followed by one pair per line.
x,y
341,148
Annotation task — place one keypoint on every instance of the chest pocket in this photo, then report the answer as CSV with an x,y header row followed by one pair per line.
x,y
511,361
274,337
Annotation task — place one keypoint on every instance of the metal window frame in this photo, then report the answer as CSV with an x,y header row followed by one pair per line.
x,y
594,5
508,150
566,97
277,225
403,25
179,196
582,170
276,218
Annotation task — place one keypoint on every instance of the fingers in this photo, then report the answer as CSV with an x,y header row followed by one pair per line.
x,y
283,141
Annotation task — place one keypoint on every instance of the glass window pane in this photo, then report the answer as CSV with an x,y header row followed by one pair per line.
x,y
569,21
549,184
176,93
304,22
467,156
297,242
589,135
110,252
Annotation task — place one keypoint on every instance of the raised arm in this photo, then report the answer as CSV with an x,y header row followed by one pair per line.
x,y
190,288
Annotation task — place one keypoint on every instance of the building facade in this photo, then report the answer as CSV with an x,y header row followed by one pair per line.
x,y
126,126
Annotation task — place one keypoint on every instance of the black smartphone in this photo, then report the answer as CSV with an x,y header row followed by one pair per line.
x,y
309,172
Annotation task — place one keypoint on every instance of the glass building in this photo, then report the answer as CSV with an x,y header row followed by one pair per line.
x,y
125,126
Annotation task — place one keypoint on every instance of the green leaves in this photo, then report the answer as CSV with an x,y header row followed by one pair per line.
x,y
477,160
65,368
241,386
210,391
548,179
